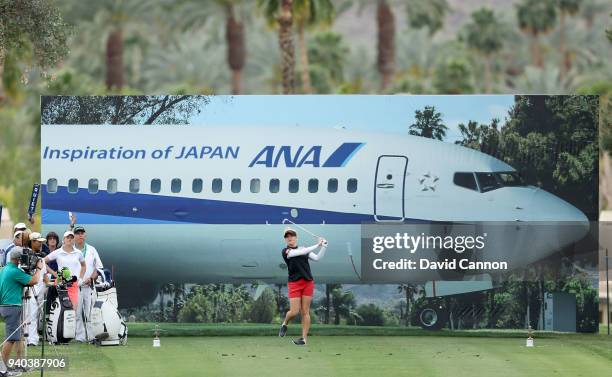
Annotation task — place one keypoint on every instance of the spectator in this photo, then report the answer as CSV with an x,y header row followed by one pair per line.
x,y
17,230
53,244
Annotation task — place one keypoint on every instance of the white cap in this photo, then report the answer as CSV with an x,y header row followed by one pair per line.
x,y
287,229
21,226
17,233
37,237
68,233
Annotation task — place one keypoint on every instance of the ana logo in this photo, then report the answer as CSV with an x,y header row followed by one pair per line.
x,y
295,157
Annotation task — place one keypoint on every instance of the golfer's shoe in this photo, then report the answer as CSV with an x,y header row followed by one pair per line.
x,y
283,331
299,342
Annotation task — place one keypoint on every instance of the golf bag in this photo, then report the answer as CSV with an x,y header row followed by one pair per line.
x,y
109,328
61,324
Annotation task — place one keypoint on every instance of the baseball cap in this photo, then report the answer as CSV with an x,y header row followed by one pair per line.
x,y
37,237
20,226
17,233
16,253
68,233
78,228
290,232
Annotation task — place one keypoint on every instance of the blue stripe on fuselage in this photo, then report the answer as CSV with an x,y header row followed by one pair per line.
x,y
342,155
160,208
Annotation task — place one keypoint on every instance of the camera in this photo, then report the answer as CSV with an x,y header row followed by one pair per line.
x,y
29,260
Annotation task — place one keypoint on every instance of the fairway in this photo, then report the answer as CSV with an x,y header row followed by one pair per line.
x,y
421,356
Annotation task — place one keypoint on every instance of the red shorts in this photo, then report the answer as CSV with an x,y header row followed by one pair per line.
x,y
300,288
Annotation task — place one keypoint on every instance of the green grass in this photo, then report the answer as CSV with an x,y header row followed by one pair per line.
x,y
465,353
253,329
344,355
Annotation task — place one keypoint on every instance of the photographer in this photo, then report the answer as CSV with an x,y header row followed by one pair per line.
x,y
12,282
37,242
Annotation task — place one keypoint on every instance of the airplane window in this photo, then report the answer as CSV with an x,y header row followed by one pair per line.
x,y
351,185
465,180
236,185
313,185
73,185
155,185
511,179
134,185
274,185
255,185
52,185
197,185
111,186
217,185
487,181
294,185
93,186
332,185
175,185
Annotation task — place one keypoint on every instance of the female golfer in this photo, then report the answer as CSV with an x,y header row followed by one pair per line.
x,y
301,284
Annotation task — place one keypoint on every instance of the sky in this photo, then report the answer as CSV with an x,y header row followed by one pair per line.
x,y
385,113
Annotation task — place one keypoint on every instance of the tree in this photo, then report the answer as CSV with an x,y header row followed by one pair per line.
x,y
236,46
429,14
386,42
371,315
453,76
264,308
116,20
194,14
410,291
428,123
33,31
485,35
536,17
326,302
484,137
566,8
343,303
327,55
310,13
280,13
120,109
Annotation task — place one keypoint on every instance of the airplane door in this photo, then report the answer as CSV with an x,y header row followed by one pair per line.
x,y
389,188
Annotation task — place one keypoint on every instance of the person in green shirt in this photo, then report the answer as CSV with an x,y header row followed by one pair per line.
x,y
12,282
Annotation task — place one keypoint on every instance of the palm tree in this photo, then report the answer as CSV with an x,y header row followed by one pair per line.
x,y
428,124
236,49
386,42
117,18
343,303
485,35
429,14
310,13
536,17
280,13
566,8
410,291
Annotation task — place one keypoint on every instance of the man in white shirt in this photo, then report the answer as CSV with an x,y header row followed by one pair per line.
x,y
92,265
38,291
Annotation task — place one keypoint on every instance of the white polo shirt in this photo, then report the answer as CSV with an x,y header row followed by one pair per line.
x,y
72,260
92,260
